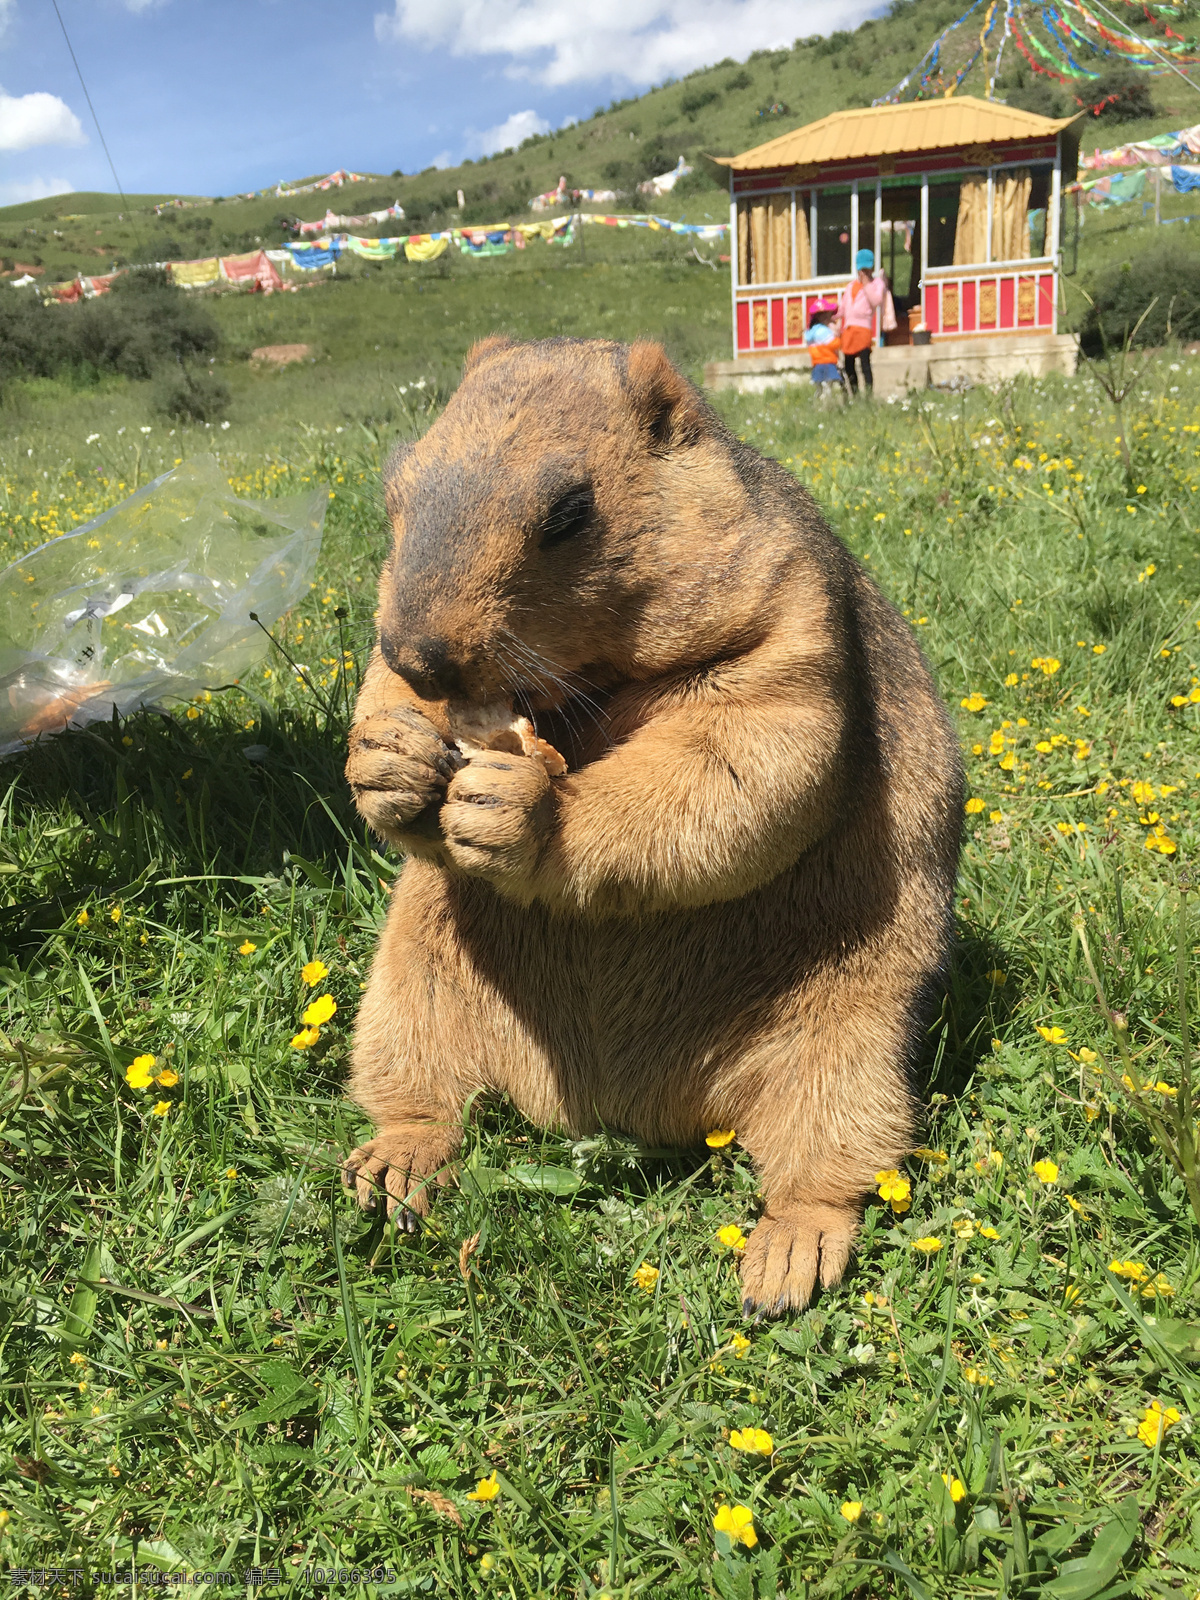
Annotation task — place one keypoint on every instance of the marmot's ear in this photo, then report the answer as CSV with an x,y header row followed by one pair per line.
x,y
666,404
483,348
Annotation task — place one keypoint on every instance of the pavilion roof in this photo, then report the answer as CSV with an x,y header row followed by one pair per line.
x,y
943,124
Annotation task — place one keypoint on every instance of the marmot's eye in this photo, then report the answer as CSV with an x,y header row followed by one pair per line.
x,y
569,515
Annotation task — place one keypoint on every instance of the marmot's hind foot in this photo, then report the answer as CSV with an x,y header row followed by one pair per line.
x,y
401,1164
790,1250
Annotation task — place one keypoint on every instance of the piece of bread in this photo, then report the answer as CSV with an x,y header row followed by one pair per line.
x,y
496,727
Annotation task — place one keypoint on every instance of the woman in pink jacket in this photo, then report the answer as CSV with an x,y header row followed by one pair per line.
x,y
860,300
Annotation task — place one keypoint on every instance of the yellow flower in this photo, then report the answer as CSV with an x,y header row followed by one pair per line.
x,y
1008,762
753,1441
486,1489
955,1486
1075,1206
1046,664
320,1011
938,1158
718,1139
231,1172
115,914
1155,1423
313,971
305,1038
1045,1170
78,1360
892,1186
973,702
997,977
646,1277
1143,793
247,947
1159,1286
192,713
83,918
964,1228
1136,1271
1011,681
1071,1293
740,1345
168,1077
928,1246
732,1237
140,1072
488,1562
1099,649
1087,1056
737,1523
977,1376
973,806
1053,1035
852,1510
992,1159
988,1233
161,1107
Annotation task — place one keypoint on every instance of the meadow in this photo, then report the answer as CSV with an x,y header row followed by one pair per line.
x,y
210,1361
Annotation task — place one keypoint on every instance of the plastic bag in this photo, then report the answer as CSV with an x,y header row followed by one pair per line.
x,y
150,602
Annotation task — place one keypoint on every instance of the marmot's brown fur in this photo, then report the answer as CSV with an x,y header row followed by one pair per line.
x,y
731,911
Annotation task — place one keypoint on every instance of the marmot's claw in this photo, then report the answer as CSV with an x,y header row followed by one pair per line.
x,y
793,1248
401,1163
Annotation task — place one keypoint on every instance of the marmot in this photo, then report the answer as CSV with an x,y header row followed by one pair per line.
x,y
733,908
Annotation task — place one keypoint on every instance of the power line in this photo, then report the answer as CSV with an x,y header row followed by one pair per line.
x,y
92,109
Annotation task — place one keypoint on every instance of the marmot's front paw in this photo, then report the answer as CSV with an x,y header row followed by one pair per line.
x,y
401,1164
788,1251
397,767
498,811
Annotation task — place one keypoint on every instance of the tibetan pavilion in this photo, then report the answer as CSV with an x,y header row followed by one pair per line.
x,y
961,201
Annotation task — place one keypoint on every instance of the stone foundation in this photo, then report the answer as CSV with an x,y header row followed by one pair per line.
x,y
899,368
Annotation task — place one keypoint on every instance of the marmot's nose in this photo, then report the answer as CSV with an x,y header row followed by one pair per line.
x,y
425,665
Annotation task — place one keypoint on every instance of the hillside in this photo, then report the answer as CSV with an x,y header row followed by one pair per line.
x,y
717,110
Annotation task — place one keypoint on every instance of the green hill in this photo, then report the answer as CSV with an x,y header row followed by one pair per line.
x,y
721,109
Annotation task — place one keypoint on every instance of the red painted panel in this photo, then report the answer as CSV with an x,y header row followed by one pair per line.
x,y
931,308
778,336
743,325
1046,300
797,319
1008,306
760,336
967,312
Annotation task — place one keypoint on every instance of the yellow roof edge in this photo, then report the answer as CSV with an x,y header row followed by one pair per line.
x,y
1043,126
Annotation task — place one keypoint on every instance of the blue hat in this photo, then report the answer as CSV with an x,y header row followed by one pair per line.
x,y
864,261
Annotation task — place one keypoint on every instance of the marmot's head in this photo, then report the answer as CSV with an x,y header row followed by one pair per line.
x,y
567,516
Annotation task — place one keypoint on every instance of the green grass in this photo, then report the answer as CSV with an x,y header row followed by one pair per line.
x,y
210,1360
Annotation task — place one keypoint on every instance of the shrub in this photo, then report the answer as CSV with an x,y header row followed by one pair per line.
x,y
693,101
1127,93
141,323
740,80
1166,279
182,393
1040,96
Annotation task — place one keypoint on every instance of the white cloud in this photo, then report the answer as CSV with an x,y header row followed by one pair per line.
x,y
442,160
15,194
506,135
8,10
27,120
642,41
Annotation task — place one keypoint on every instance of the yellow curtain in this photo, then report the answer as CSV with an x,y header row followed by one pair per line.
x,y
970,236
1010,215
765,240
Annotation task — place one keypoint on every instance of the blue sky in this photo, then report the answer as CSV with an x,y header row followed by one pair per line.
x,y
220,96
